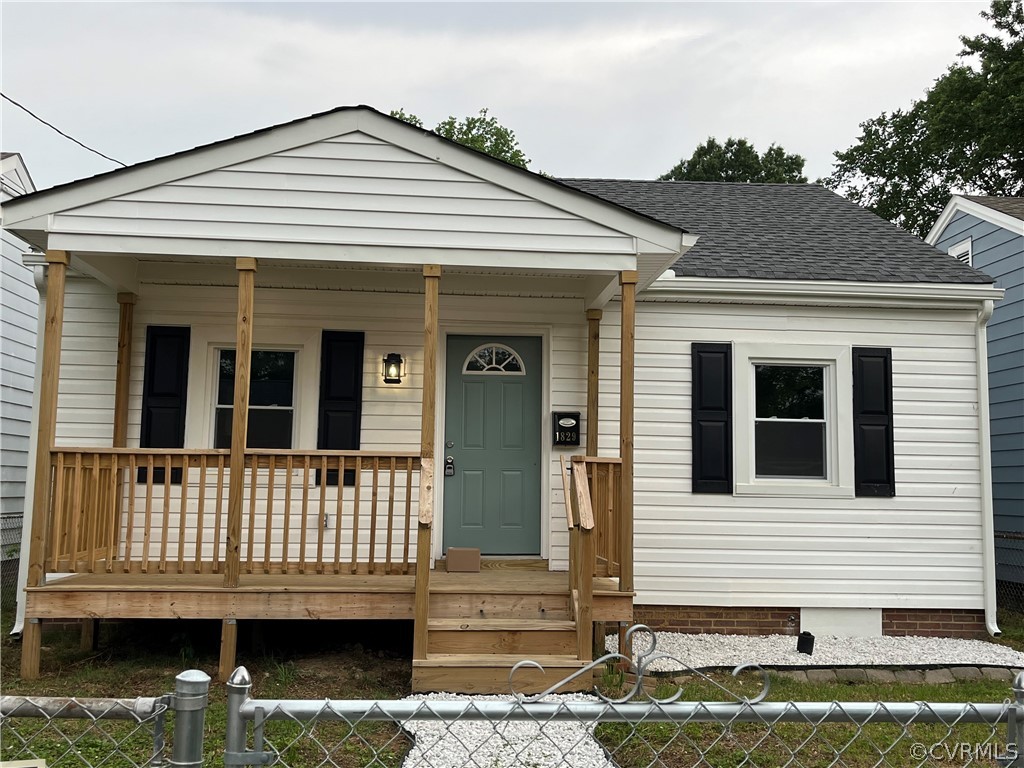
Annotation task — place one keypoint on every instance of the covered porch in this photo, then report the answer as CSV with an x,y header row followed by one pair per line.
x,y
244,533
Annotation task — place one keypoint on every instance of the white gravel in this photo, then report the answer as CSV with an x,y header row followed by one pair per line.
x,y
502,745
780,650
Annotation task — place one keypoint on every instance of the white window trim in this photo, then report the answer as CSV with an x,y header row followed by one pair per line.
x,y
960,250
500,372
837,362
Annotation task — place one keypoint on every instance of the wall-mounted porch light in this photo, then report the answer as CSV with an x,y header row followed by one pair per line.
x,y
393,368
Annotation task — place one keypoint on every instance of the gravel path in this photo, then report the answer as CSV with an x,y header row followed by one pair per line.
x,y
502,745
780,650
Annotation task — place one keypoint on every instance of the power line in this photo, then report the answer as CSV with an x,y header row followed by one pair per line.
x,y
58,130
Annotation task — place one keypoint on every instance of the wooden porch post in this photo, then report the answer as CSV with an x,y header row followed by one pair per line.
x,y
239,431
627,279
431,289
56,277
593,377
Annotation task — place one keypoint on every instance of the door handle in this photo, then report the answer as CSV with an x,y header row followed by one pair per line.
x,y
449,466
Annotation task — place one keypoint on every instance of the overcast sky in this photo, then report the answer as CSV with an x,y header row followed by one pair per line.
x,y
590,89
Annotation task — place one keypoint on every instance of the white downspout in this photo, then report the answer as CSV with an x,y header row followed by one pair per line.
x,y
988,553
39,277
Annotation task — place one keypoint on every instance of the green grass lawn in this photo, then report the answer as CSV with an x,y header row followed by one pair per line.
x,y
364,660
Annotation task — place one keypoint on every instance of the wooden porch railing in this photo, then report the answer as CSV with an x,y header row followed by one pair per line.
x,y
592,491
165,511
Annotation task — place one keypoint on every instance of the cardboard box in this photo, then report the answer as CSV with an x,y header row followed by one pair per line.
x,y
463,560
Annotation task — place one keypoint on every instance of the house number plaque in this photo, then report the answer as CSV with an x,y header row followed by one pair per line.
x,y
566,427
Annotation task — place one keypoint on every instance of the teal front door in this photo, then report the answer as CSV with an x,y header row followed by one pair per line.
x,y
492,444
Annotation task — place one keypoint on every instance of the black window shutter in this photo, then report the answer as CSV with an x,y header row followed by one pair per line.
x,y
341,396
164,390
711,415
874,473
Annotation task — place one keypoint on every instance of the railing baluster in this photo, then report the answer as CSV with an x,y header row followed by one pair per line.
x,y
305,513
287,513
391,515
268,535
129,537
92,517
218,514
115,512
57,511
355,512
321,525
76,516
339,511
373,517
182,513
251,543
167,514
200,514
408,515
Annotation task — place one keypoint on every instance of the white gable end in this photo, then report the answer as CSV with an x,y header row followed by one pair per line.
x,y
353,191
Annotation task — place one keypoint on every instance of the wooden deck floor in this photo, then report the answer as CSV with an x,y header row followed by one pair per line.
x,y
289,596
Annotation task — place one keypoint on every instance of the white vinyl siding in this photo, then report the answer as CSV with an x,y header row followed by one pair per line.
x,y
353,190
921,549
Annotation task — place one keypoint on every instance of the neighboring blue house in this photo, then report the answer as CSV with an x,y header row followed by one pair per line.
x,y
988,233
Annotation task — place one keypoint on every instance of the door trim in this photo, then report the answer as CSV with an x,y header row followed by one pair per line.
x,y
484,328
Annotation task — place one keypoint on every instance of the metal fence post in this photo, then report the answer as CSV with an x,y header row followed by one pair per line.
x,y
1015,726
238,692
191,694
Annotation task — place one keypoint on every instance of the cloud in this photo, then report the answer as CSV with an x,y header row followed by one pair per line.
x,y
590,89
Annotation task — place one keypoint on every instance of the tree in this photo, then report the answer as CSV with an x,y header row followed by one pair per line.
x,y
481,132
966,135
737,160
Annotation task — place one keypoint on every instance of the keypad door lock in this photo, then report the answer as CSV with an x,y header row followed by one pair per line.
x,y
449,466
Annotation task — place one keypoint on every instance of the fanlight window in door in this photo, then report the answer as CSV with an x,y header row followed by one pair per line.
x,y
494,359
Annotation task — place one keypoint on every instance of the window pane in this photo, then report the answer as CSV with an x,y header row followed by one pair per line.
x,y
270,379
268,428
789,449
789,391
226,378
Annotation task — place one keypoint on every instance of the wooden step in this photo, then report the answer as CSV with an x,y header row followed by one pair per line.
x,y
528,637
499,605
478,673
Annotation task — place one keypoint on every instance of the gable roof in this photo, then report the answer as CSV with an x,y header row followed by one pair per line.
x,y
783,232
1011,206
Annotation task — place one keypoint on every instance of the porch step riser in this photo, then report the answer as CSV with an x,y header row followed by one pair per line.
x,y
488,642
479,680
498,606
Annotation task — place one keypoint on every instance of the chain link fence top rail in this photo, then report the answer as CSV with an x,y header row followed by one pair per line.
x,y
65,732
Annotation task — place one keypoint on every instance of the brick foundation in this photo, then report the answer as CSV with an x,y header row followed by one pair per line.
x,y
926,622
720,621
931,622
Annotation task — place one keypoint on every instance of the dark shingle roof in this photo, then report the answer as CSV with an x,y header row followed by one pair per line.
x,y
1011,206
782,232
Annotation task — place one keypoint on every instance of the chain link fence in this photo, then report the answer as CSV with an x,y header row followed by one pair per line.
x,y
641,727
1009,547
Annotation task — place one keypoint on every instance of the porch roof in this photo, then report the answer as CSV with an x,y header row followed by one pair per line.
x,y
349,185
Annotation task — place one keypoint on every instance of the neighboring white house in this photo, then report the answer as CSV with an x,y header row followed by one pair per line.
x,y
18,313
810,429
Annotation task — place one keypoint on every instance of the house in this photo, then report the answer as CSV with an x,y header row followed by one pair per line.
x,y
284,373
18,299
988,233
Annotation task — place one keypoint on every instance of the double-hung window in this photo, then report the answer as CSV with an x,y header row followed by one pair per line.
x,y
271,399
793,420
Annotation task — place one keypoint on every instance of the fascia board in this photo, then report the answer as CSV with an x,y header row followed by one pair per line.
x,y
958,204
